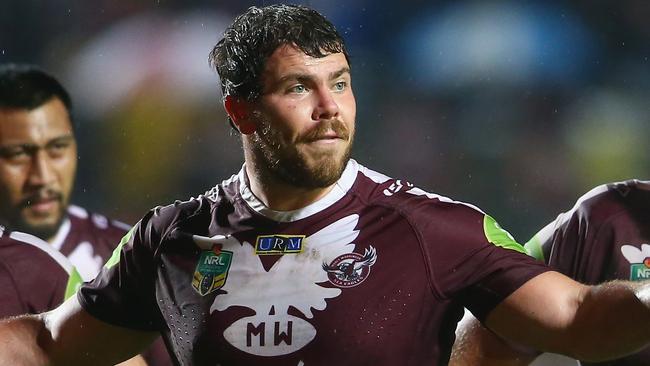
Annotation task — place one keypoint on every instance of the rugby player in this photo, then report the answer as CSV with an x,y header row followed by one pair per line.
x,y
38,161
306,257
604,237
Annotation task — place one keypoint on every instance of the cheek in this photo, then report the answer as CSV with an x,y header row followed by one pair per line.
x,y
348,108
12,181
66,168
291,120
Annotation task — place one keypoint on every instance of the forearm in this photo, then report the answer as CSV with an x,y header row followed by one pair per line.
x,y
21,340
553,313
612,321
476,345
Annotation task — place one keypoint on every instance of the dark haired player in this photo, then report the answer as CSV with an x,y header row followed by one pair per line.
x,y
604,237
305,257
38,160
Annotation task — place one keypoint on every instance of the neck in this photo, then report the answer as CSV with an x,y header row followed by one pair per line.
x,y
278,195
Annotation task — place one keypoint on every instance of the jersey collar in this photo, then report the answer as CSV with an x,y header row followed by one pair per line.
x,y
61,234
341,187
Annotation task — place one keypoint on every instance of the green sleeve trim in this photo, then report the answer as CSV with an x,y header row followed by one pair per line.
x,y
496,235
115,257
74,282
534,249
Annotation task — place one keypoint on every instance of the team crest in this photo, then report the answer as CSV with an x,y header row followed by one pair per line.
x,y
639,261
279,244
350,269
211,271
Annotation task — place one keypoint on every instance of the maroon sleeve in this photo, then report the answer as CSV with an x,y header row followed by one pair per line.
x,y
123,293
30,280
465,264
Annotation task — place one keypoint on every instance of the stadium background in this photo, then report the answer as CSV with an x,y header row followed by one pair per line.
x,y
515,106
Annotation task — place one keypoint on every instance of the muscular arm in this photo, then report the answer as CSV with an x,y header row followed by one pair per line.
x,y
477,345
67,335
553,313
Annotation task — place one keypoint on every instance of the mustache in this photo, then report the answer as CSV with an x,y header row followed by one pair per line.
x,y
40,196
325,127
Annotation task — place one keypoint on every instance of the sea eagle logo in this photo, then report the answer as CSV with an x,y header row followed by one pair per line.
x,y
350,269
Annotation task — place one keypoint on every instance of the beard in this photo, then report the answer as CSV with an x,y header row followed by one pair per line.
x,y
281,160
45,229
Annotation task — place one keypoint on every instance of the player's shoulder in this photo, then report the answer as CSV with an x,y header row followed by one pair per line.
x,y
608,200
15,246
95,225
195,209
410,200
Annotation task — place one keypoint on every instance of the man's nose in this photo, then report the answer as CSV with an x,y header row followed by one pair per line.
x,y
41,172
326,106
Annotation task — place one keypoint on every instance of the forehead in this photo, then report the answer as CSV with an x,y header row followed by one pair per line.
x,y
48,121
287,59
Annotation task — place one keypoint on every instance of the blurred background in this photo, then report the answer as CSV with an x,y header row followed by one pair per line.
x,y
516,106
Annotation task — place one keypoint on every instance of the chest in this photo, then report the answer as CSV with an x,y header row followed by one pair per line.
x,y
346,292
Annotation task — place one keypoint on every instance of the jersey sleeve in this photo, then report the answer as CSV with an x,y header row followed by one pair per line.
x,y
474,259
123,294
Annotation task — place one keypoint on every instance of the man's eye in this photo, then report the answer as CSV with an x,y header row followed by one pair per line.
x,y
13,153
58,148
340,86
298,89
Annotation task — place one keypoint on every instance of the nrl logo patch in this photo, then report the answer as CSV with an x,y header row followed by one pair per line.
x,y
211,270
349,270
639,261
279,244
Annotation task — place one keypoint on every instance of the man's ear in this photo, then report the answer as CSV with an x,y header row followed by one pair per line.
x,y
239,112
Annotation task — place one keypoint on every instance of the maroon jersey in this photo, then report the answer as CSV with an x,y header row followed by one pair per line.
x,y
33,276
604,237
88,240
376,272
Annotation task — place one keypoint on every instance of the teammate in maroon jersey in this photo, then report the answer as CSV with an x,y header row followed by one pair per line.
x,y
604,237
305,257
38,160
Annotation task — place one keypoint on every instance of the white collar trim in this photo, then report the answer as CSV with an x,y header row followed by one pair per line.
x,y
341,187
61,234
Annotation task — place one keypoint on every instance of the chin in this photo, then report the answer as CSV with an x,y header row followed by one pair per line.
x,y
44,229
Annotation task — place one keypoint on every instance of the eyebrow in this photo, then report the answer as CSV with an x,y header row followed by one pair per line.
x,y
29,145
305,77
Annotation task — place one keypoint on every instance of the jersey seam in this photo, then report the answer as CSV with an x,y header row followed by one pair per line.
x,y
606,223
430,281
